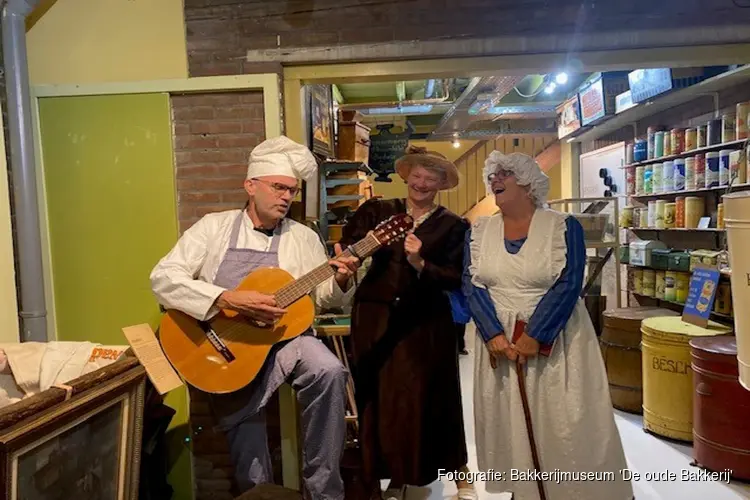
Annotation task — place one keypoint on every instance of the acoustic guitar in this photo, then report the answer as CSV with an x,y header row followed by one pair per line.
x,y
226,353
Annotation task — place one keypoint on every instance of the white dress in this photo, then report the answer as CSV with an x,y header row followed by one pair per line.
x,y
569,398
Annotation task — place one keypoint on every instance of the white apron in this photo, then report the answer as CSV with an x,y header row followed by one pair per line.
x,y
569,398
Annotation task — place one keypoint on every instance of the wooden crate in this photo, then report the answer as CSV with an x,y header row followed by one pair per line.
x,y
354,142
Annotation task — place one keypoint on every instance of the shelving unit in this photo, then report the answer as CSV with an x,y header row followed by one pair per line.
x,y
688,154
326,199
668,194
663,102
572,206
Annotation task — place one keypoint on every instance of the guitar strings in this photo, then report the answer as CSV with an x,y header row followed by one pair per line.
x,y
290,293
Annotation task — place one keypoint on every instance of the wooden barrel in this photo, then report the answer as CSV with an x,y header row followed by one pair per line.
x,y
668,376
620,343
721,408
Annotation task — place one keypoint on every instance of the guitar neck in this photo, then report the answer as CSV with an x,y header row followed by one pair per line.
x,y
307,283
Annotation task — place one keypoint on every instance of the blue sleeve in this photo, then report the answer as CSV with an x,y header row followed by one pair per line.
x,y
478,299
557,305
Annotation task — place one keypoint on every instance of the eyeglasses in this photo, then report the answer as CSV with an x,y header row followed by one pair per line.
x,y
502,174
280,189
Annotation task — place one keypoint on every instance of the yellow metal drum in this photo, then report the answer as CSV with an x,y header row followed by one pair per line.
x,y
667,375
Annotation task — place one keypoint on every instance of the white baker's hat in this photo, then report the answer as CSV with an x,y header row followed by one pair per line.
x,y
281,156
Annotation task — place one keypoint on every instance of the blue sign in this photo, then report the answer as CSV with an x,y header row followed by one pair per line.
x,y
701,295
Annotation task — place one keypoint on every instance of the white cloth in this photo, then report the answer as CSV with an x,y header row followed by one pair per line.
x,y
525,169
33,367
183,279
569,398
282,156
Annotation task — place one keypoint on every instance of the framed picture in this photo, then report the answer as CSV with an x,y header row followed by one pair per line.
x,y
88,446
321,120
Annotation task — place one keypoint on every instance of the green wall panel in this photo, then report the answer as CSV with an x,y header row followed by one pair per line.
x,y
109,175
111,205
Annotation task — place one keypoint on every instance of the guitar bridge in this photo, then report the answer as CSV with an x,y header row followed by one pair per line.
x,y
216,342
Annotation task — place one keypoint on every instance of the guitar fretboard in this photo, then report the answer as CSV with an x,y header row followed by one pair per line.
x,y
297,289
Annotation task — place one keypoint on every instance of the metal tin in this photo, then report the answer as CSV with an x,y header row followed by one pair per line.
x,y
724,167
669,215
657,178
652,213
630,179
636,218
728,127
678,141
638,281
667,143
640,150
639,171
695,208
721,408
723,303
659,144
690,176
660,284
700,171
720,216
648,179
679,218
713,133
691,139
712,169
667,177
629,154
651,147
670,286
626,217
644,217
620,344
743,109
736,170
667,374
682,284
660,209
679,174
649,282
701,137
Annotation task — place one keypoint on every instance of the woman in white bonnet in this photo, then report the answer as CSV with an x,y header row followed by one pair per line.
x,y
526,263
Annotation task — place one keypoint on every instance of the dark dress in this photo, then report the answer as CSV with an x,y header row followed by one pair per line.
x,y
405,351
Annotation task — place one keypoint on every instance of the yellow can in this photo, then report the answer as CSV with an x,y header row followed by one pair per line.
x,y
638,281
670,286
649,282
682,286
667,375
669,215
695,208
661,280
720,216
626,218
723,304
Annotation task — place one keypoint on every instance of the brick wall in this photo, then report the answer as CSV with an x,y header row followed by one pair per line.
x,y
219,32
214,134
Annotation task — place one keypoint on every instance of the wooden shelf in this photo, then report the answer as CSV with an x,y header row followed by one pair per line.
x,y
683,229
663,102
726,317
687,154
691,191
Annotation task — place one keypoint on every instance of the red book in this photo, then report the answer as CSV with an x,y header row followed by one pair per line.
x,y
544,349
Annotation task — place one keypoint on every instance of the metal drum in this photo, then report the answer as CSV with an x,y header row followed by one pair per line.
x,y
721,408
620,343
668,376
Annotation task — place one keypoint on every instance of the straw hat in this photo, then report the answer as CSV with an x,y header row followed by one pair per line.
x,y
416,156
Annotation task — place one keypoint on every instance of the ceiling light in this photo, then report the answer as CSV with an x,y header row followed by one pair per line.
x,y
456,144
561,78
550,88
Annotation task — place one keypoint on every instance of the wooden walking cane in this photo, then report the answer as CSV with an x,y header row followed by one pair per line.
x,y
520,329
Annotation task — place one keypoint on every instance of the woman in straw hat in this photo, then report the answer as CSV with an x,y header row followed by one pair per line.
x,y
404,340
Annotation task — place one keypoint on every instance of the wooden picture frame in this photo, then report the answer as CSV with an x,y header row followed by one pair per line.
x,y
88,446
320,107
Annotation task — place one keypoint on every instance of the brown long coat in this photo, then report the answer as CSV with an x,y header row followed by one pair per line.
x,y
405,351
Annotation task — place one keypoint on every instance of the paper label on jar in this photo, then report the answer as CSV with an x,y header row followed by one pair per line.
x,y
679,177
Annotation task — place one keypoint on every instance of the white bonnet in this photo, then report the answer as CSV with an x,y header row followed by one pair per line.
x,y
525,169
282,156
